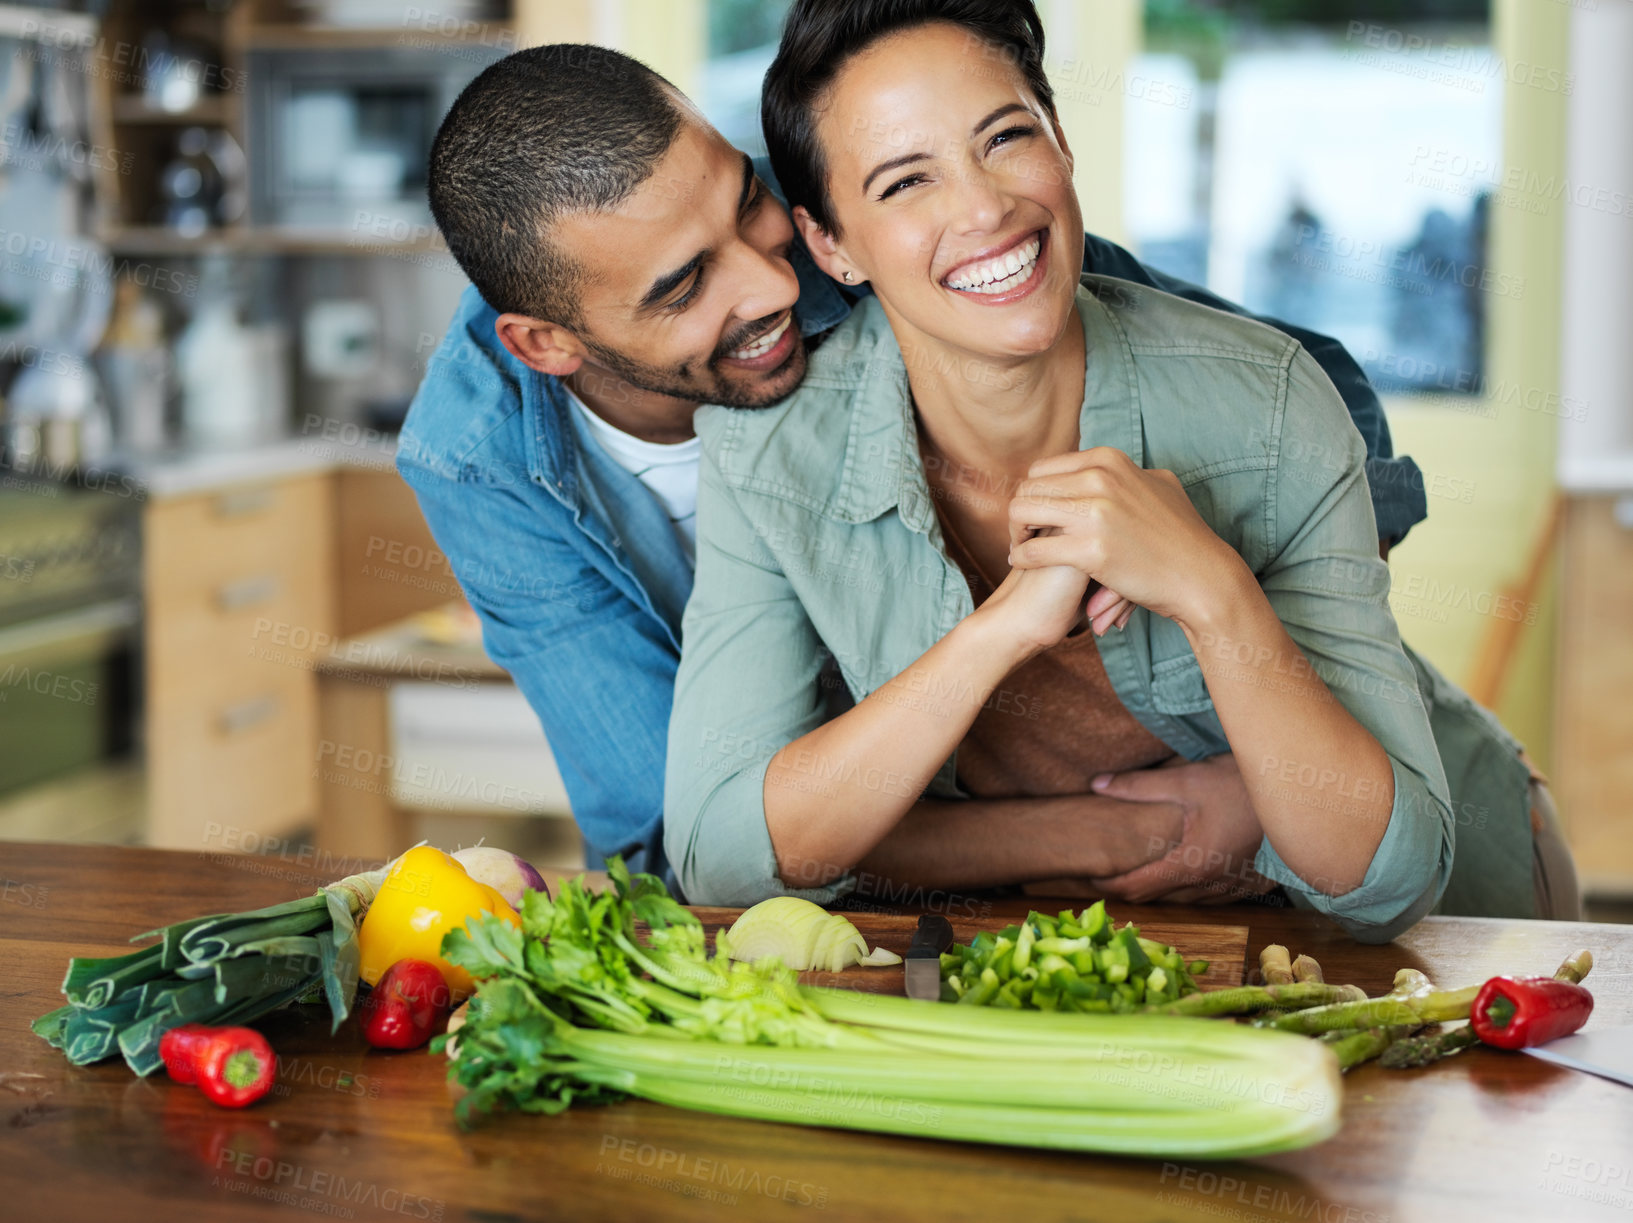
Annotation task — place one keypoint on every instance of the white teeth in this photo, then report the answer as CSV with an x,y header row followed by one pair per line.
x,y
1000,274
765,343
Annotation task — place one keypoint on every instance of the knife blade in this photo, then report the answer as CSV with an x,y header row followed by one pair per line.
x,y
923,960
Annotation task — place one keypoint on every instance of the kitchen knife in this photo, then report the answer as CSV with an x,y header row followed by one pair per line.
x,y
934,936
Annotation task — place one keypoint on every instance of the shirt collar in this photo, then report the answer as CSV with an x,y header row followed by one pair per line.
x,y
552,453
883,468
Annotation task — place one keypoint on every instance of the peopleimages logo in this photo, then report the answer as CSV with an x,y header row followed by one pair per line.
x,y
1282,1202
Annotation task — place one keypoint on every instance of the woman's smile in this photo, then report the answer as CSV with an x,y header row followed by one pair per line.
x,y
1007,275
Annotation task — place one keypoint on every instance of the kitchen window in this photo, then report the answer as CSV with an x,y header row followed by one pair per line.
x,y
1333,163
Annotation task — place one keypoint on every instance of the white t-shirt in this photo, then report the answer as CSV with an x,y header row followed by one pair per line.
x,y
669,472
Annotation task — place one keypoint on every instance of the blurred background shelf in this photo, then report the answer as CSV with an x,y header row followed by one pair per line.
x,y
296,37
261,240
126,108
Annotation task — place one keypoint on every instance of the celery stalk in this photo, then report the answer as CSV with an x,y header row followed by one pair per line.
x,y
571,1008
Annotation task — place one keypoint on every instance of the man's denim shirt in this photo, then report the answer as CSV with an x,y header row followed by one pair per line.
x,y
576,572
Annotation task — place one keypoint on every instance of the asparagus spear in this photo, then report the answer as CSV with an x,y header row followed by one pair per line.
x,y
1353,1048
1575,967
1412,1003
1247,999
1422,1050
1338,1034
1306,969
1274,966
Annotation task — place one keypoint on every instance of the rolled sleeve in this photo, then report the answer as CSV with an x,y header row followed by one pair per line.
x,y
750,683
1391,898
1330,589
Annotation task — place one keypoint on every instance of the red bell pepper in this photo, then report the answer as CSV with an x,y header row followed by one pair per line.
x,y
407,1007
179,1048
1519,1012
236,1066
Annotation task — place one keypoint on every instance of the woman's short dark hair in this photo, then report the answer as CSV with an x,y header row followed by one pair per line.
x,y
818,39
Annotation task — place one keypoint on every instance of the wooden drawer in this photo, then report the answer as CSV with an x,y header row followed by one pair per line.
x,y
231,752
239,591
226,570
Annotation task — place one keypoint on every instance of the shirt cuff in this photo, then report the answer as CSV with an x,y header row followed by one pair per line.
x,y
738,865
1395,894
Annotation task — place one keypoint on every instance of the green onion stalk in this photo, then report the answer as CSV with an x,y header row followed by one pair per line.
x,y
226,969
574,1007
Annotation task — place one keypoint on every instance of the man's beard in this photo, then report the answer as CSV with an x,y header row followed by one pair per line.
x,y
680,382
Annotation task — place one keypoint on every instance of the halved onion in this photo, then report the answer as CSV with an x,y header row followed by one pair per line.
x,y
800,934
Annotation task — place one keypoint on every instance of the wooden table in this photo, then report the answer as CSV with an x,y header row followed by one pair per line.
x,y
1485,1135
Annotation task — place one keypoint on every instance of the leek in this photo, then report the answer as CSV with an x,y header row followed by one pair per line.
x,y
221,970
574,1008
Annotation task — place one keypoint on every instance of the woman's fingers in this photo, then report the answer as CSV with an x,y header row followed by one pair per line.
x,y
1063,511
1101,601
1042,551
1118,611
1105,608
1080,460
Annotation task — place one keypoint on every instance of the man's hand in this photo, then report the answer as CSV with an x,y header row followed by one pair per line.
x,y
1212,862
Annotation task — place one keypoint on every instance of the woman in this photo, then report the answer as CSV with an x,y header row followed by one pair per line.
x,y
1044,530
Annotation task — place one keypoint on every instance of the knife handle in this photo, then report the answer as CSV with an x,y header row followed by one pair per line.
x,y
933,936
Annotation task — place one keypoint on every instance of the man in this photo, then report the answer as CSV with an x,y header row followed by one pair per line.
x,y
628,265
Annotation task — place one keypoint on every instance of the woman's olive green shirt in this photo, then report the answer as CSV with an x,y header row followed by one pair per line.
x,y
821,575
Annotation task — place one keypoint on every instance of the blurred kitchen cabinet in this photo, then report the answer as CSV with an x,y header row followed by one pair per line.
x,y
195,95
388,566
239,592
246,588
168,106
1593,739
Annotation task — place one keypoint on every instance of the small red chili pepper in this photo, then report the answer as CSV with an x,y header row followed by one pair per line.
x,y
407,1007
236,1066
179,1049
1519,1012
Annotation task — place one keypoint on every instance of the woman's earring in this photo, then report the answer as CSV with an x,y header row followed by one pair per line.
x,y
849,276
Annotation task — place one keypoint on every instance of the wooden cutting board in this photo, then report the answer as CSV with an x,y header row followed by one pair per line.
x,y
1224,947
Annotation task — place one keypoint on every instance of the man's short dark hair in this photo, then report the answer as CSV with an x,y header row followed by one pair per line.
x,y
820,36
544,132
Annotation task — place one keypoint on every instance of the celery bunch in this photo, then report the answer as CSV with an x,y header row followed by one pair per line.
x,y
574,1007
1071,962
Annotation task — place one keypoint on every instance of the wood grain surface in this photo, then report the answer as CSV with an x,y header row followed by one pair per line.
x,y
360,1134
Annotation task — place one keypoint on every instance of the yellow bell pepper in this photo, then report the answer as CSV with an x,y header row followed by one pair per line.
x,y
426,895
